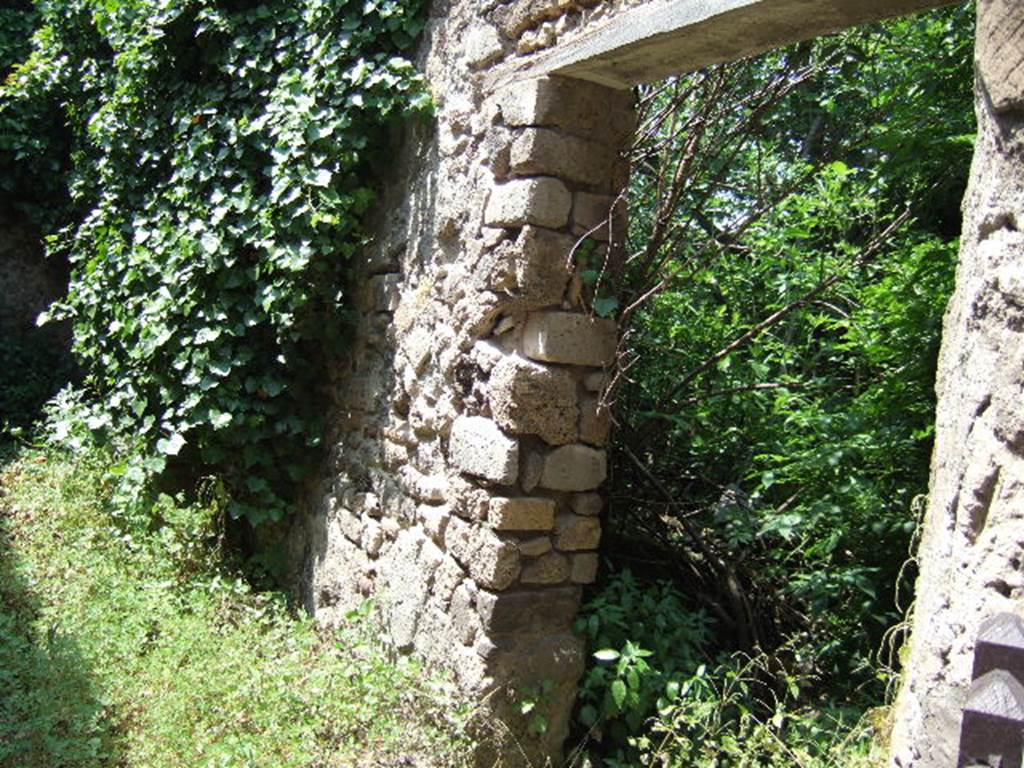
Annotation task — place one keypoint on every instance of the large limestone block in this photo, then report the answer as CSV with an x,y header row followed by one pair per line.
x,y
521,514
574,533
584,568
491,560
573,339
527,398
478,447
574,468
542,264
552,568
550,610
581,108
544,202
547,152
593,216
595,421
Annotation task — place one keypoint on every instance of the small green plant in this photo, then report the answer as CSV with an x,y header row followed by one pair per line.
x,y
532,699
643,637
135,642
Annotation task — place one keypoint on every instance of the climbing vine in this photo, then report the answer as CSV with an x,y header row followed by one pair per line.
x,y
220,157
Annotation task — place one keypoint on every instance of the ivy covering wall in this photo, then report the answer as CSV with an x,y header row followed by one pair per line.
x,y
205,166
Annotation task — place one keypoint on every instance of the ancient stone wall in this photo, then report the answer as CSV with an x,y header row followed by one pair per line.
x,y
467,442
972,553
468,438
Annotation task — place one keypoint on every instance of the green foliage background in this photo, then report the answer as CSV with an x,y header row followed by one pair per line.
x,y
140,644
795,459
215,158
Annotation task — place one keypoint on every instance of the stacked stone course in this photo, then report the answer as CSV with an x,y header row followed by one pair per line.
x,y
462,490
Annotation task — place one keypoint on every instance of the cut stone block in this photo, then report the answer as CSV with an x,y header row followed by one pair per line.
x,y
584,568
596,381
527,398
592,216
482,45
492,561
546,152
552,568
549,610
574,468
542,266
544,202
587,504
574,106
595,422
533,467
573,339
478,447
521,514
574,533
535,547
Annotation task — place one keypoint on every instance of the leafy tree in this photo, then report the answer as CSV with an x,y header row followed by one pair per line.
x,y
794,230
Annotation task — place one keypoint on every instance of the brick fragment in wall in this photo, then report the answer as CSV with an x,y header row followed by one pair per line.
x,y
527,398
349,523
479,448
548,152
574,533
535,547
415,346
491,560
584,568
595,421
542,267
592,215
486,354
582,109
574,468
521,514
587,504
470,503
550,610
406,597
570,338
552,568
543,202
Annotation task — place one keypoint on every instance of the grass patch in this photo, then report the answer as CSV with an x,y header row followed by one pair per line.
x,y
131,644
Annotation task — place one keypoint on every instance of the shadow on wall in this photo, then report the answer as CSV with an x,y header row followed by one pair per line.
x,y
50,710
34,362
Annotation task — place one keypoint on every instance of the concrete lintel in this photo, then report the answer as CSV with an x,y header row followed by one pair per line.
x,y
671,37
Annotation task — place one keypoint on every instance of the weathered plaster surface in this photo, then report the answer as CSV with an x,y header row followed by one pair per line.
x,y
972,553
